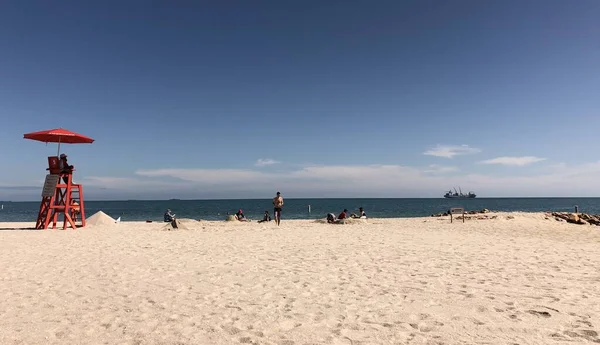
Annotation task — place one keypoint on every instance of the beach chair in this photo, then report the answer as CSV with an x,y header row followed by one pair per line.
x,y
457,210
53,166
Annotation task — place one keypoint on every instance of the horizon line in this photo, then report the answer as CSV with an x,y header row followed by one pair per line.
x,y
336,198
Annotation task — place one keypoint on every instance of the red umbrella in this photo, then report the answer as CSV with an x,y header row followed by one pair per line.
x,y
59,135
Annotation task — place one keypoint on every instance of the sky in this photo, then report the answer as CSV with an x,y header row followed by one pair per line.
x,y
240,99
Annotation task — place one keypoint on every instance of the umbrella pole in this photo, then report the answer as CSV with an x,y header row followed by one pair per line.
x,y
58,152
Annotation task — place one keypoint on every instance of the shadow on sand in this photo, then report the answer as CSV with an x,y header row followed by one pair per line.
x,y
30,229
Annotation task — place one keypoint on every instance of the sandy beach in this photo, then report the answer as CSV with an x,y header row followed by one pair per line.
x,y
516,279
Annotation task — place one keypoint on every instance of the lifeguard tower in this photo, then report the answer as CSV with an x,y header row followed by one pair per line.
x,y
61,199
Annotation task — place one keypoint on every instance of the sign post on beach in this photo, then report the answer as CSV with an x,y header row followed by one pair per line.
x,y
457,210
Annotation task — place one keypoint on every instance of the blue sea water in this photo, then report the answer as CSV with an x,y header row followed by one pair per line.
x,y
298,208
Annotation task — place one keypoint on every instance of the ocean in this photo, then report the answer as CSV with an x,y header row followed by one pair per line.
x,y
138,210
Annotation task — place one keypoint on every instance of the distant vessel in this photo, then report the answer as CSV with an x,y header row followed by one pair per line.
x,y
459,194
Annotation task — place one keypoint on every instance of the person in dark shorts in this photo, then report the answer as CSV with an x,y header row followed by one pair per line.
x,y
277,205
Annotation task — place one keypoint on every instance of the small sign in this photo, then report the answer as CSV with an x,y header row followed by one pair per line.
x,y
50,185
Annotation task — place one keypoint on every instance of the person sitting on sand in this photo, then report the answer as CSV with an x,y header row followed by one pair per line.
x,y
240,216
343,215
266,217
169,217
330,218
361,214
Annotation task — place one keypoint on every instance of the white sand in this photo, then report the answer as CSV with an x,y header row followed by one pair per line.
x,y
525,280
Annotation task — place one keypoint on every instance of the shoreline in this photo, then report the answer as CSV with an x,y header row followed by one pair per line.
x,y
294,221
470,216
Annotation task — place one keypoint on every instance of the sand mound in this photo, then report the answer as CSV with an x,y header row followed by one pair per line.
x,y
175,225
353,221
189,221
100,218
231,218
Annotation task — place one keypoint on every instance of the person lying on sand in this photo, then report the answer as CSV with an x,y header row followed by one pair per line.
x,y
266,217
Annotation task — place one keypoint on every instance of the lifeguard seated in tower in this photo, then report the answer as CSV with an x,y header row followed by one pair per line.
x,y
64,167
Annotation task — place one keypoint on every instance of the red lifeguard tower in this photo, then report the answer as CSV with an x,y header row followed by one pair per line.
x,y
61,198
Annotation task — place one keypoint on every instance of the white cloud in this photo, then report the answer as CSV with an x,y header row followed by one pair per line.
x,y
384,181
440,169
124,183
210,176
336,181
557,166
449,151
355,180
264,162
516,161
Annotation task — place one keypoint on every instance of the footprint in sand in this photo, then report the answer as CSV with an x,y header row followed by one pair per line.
x,y
544,314
589,333
477,322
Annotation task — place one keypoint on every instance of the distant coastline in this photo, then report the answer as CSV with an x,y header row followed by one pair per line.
x,y
336,198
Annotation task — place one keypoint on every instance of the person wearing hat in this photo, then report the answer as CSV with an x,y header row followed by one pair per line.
x,y
169,217
240,216
64,167
277,205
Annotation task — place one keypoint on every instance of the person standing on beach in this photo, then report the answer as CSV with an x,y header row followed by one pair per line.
x,y
277,204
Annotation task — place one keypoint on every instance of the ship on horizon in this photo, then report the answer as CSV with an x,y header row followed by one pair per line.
x,y
459,194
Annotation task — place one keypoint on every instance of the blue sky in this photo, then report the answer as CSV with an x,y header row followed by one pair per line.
x,y
239,99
